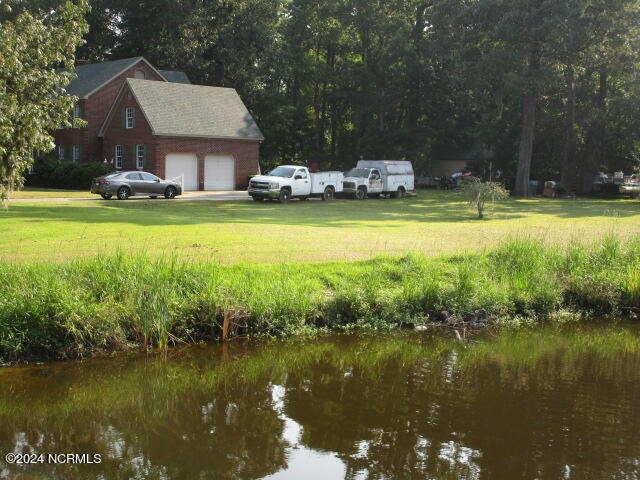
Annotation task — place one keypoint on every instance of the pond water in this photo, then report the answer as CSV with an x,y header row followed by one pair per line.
x,y
545,404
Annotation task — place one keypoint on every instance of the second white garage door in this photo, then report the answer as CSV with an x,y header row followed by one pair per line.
x,y
186,164
219,172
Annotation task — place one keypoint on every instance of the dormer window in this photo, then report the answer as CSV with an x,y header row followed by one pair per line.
x,y
130,117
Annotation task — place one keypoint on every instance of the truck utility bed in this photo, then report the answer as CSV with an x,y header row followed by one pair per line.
x,y
320,180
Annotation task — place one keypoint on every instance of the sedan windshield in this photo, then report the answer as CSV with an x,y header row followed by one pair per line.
x,y
357,172
282,172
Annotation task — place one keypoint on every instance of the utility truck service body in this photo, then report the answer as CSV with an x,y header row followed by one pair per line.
x,y
379,177
292,181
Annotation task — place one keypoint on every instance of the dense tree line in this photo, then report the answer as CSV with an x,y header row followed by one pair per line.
x,y
543,89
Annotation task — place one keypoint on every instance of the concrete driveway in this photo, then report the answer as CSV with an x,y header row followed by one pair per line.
x,y
218,195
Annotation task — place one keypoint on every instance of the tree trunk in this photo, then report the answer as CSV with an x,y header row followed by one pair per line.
x,y
594,156
415,70
521,188
523,173
568,171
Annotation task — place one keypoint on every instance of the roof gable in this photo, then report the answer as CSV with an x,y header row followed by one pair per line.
x,y
175,76
185,110
92,76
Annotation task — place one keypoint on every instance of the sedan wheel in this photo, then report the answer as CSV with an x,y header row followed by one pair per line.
x,y
123,193
170,192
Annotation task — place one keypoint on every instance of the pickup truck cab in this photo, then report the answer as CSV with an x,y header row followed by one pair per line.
x,y
372,178
292,181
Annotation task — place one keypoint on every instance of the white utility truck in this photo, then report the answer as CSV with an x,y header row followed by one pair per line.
x,y
372,178
291,181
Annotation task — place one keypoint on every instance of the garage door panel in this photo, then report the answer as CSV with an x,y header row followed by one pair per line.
x,y
177,164
219,172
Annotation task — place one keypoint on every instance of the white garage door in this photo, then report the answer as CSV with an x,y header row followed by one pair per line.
x,y
219,172
177,164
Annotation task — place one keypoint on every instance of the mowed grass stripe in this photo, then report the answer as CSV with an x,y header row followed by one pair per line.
x,y
38,193
433,223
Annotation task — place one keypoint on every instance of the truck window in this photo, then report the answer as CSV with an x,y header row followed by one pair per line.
x,y
282,172
301,173
375,175
357,172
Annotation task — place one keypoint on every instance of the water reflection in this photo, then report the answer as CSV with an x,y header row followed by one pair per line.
x,y
541,404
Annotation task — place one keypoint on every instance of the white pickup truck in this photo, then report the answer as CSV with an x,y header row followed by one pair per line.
x,y
291,181
372,178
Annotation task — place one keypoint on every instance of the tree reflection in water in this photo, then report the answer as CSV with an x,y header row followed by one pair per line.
x,y
543,404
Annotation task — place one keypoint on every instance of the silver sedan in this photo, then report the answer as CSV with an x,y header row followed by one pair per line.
x,y
125,184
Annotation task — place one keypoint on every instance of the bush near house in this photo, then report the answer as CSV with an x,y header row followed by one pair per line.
x,y
51,173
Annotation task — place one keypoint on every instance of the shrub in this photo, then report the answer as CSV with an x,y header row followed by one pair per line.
x,y
478,193
51,173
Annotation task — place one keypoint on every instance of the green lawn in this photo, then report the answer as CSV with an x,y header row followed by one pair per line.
x,y
49,193
433,223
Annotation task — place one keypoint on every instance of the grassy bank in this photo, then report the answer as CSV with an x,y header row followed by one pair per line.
x,y
433,223
111,303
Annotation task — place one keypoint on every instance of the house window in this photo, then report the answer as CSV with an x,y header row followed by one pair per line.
x,y
140,156
139,74
76,153
119,156
76,113
130,117
60,152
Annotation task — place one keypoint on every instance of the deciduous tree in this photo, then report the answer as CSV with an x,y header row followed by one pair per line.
x,y
36,62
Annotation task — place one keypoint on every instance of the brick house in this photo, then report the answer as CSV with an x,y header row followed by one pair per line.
x,y
139,117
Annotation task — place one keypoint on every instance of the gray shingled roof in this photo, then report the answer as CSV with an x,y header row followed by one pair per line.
x,y
174,76
91,76
178,109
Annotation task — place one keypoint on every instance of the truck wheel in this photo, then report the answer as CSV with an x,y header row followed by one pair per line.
x,y
285,196
361,193
399,193
328,194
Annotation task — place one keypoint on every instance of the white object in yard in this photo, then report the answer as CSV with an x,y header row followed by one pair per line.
x,y
179,180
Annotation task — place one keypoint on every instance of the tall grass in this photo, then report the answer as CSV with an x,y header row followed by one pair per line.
x,y
119,302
